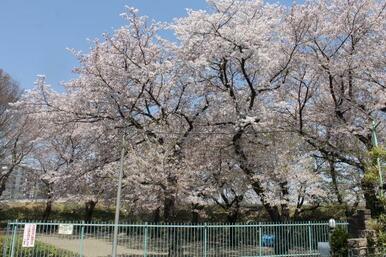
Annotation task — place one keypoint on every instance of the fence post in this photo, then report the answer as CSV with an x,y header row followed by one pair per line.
x,y
205,239
6,241
310,236
81,240
145,241
260,249
14,231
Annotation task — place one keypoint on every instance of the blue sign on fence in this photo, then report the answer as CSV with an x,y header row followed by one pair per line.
x,y
267,240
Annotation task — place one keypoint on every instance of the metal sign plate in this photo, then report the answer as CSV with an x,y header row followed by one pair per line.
x,y
29,235
66,229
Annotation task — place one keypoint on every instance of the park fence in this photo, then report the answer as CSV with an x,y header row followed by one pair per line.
x,y
61,239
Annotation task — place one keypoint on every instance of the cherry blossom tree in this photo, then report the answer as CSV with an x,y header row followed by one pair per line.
x,y
336,85
16,132
249,100
239,52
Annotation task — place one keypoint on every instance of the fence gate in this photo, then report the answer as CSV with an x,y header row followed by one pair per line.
x,y
57,239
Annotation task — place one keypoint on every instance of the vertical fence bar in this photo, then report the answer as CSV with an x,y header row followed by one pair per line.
x,y
310,236
145,240
205,239
260,249
14,231
6,240
81,240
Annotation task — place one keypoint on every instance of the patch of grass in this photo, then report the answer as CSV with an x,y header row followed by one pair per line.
x,y
60,211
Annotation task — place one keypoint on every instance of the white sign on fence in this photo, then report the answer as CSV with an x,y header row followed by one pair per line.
x,y
65,229
324,249
29,235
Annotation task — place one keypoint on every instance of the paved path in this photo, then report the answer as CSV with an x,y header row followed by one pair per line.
x,y
91,248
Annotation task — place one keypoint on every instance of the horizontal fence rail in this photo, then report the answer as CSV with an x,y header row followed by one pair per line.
x,y
63,239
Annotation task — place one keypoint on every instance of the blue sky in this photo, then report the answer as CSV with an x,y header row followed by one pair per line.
x,y
36,33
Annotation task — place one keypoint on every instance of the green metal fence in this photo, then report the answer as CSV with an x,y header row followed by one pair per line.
x,y
174,240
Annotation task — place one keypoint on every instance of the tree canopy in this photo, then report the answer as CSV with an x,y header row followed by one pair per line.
x,y
253,102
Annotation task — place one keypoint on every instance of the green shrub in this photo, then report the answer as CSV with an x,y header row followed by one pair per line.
x,y
68,211
338,242
379,225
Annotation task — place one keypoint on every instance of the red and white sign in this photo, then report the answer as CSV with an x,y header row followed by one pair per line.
x,y
29,235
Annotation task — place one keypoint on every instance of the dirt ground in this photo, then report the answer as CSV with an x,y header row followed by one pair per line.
x,y
91,247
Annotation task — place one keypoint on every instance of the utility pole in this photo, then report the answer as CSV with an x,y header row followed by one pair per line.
x,y
118,203
374,141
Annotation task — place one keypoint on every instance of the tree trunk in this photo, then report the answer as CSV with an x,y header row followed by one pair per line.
x,y
335,181
4,179
233,215
3,183
48,209
170,193
195,213
169,213
89,210
273,211
282,240
232,218
175,247
285,210
169,208
157,215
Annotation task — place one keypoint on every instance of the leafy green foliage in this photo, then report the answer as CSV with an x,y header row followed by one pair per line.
x,y
338,242
60,211
75,212
372,173
379,225
378,152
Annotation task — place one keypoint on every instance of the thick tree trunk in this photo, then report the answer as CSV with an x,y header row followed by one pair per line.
x,y
169,209
273,211
50,200
4,179
174,239
175,249
335,181
285,210
48,209
195,217
195,213
157,215
3,183
89,208
282,241
233,214
170,199
232,218
156,218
